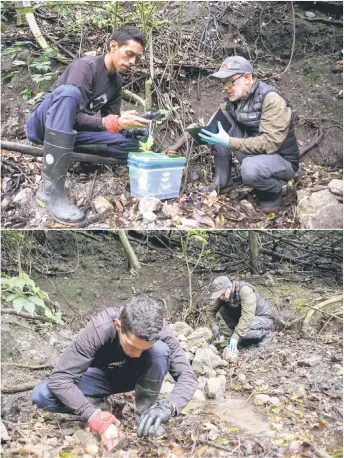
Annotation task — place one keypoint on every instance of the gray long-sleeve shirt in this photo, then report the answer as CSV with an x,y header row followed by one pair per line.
x,y
97,346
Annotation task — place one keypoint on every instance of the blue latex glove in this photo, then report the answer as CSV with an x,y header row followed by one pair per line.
x,y
233,346
221,138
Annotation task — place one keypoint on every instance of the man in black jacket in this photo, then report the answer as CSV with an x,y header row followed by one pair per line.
x,y
65,117
120,350
262,135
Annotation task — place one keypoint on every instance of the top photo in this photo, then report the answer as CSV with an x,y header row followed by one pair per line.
x,y
172,115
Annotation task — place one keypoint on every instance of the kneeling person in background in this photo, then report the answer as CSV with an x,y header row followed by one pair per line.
x,y
243,310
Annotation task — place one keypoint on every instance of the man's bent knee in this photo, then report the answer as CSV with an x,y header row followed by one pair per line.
x,y
159,357
41,395
249,172
67,90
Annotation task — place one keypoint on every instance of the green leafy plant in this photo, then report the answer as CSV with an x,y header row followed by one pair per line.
x,y
23,294
145,146
27,94
14,48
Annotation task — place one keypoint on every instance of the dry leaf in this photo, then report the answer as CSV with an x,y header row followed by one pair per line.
x,y
201,217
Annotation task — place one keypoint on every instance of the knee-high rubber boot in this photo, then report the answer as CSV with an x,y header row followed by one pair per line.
x,y
223,166
58,147
146,395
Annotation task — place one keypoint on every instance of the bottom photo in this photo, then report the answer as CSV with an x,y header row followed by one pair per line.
x,y
172,343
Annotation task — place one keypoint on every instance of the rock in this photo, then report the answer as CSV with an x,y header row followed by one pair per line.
x,y
91,450
299,390
84,438
193,349
201,383
215,387
166,388
211,374
182,338
198,337
199,395
258,382
23,197
274,401
241,377
204,361
3,433
309,14
319,210
180,327
221,371
247,386
261,399
90,53
227,355
336,187
213,349
149,205
101,204
184,346
309,362
169,378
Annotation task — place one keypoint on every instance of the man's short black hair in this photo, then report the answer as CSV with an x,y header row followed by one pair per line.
x,y
143,317
126,33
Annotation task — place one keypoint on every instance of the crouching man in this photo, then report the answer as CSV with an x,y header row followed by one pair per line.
x,y
243,310
120,350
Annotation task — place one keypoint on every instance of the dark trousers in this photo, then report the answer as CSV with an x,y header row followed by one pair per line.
x,y
153,364
58,112
260,326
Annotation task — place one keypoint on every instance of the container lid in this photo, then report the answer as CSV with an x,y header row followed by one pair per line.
x,y
156,159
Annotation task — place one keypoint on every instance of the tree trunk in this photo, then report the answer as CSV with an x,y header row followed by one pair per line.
x,y
253,242
134,262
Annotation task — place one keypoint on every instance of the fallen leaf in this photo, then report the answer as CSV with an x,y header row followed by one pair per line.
x,y
201,217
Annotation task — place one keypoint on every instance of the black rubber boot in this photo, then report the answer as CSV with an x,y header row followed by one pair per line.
x,y
146,395
58,147
269,202
223,165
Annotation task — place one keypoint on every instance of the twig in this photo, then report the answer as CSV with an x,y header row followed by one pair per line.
x,y
19,388
211,444
28,366
27,315
313,143
293,45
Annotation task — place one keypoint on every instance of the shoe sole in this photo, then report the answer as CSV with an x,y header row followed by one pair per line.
x,y
65,223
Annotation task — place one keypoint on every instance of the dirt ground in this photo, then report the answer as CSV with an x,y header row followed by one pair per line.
x,y
305,374
313,84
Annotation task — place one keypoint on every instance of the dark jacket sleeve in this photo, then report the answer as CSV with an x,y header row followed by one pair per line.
x,y
73,363
211,311
181,371
80,75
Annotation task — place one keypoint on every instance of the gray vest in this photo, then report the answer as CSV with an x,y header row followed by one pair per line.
x,y
234,304
248,120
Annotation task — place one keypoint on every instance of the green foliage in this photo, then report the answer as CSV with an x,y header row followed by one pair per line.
x,y
16,47
145,146
23,294
43,67
27,94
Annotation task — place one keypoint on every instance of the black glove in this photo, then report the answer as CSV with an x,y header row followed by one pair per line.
x,y
151,420
137,134
216,333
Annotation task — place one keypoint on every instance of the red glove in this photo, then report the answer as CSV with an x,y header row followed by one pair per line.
x,y
99,422
111,123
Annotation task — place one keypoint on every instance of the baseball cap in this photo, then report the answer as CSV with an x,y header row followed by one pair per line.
x,y
233,65
219,286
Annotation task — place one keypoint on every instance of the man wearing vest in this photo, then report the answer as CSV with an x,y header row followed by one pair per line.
x,y
120,350
262,136
66,118
243,310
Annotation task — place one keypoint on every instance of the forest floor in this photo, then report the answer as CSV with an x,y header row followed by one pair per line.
x,y
304,373
313,84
